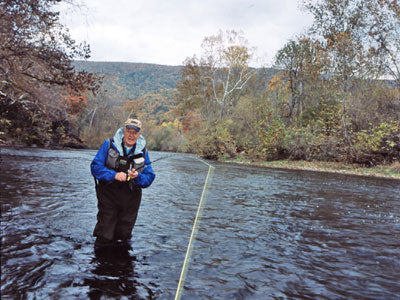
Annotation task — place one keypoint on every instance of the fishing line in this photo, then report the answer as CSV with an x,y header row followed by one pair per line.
x,y
194,233
163,157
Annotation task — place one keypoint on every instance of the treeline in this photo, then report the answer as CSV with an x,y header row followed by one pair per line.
x,y
159,110
102,117
336,97
333,93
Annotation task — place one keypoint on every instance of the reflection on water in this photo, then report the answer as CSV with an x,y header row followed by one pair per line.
x,y
263,234
113,274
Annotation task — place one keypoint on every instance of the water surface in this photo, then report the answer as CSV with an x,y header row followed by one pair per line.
x,y
263,233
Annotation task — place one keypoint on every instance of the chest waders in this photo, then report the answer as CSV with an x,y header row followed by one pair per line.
x,y
118,202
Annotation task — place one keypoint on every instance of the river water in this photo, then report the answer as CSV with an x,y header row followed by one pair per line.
x,y
262,233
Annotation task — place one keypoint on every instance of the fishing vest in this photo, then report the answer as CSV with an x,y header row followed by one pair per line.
x,y
124,163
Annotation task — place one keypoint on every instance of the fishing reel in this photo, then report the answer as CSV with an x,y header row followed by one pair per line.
x,y
123,164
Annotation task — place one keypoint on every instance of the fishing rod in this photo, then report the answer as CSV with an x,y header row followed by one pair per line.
x,y
158,159
128,178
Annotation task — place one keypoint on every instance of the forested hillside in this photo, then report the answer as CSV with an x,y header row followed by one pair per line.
x,y
127,81
145,91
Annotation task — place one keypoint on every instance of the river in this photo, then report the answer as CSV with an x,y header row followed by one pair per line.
x,y
262,233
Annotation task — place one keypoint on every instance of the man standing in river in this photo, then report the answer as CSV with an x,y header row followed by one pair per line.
x,y
121,169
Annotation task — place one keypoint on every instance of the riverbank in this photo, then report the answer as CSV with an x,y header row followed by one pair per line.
x,y
71,143
381,171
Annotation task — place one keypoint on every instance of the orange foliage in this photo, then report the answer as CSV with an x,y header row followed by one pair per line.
x,y
191,121
133,107
76,103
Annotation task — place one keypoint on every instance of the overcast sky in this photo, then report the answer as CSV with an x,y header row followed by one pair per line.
x,y
168,31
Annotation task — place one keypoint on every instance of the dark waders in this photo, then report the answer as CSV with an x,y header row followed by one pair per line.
x,y
118,205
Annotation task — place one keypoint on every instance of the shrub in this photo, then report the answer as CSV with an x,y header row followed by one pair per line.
x,y
271,134
165,138
379,144
215,141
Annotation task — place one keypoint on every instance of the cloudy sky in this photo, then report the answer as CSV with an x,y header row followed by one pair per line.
x,y
168,31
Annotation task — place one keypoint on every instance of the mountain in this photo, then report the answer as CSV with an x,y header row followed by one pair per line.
x,y
153,83
127,81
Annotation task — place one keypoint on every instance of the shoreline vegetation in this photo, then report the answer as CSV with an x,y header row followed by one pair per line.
x,y
391,171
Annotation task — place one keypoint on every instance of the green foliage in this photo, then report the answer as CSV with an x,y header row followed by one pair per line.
x,y
133,80
323,118
318,107
379,144
301,63
143,91
242,127
214,141
271,133
165,138
317,135
302,143
323,103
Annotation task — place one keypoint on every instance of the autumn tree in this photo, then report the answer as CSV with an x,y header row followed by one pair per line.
x,y
210,87
99,120
361,41
214,82
382,29
337,25
301,63
36,55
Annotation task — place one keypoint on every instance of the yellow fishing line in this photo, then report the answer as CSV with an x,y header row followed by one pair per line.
x,y
193,235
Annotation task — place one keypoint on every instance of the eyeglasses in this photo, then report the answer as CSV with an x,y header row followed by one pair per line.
x,y
131,131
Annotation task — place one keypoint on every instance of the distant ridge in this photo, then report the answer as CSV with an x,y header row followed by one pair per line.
x,y
126,81
109,66
129,81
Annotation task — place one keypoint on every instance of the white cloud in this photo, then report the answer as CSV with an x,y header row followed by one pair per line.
x,y
167,32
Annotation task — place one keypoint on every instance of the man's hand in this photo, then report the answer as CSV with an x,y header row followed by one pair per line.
x,y
120,176
133,173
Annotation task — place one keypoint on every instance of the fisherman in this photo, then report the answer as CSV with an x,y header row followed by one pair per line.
x,y
121,169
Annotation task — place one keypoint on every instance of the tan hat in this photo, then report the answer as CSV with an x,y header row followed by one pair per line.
x,y
133,123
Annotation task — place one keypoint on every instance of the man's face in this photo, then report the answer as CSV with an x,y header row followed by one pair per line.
x,y
130,136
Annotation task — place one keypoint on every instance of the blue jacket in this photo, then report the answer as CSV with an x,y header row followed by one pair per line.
x,y
102,173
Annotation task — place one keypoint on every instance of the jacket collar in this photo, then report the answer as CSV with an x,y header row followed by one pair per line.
x,y
119,135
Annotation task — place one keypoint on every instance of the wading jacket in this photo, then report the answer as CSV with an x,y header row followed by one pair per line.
x,y
104,174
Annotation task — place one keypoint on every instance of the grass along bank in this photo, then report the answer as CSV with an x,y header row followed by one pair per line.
x,y
383,171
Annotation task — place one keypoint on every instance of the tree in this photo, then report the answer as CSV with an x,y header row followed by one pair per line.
x,y
36,55
215,82
337,25
383,32
99,120
361,39
301,65
209,90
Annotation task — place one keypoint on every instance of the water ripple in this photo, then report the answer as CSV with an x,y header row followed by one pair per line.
x,y
266,234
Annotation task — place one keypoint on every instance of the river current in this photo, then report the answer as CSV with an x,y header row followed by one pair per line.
x,y
262,233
